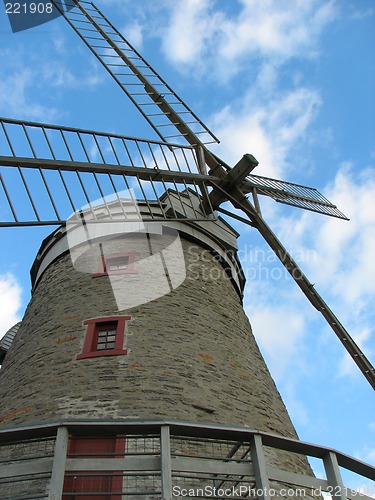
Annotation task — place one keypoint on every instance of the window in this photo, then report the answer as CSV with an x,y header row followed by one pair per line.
x,y
104,337
117,264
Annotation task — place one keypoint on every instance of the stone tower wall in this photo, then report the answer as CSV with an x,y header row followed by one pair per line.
x,y
191,354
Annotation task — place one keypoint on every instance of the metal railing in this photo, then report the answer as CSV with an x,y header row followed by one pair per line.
x,y
165,459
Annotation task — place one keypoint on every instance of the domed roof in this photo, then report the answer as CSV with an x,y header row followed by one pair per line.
x,y
7,340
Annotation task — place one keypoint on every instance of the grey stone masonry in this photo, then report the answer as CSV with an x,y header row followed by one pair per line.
x,y
190,355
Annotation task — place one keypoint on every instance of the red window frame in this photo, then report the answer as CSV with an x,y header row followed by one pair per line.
x,y
94,327
104,264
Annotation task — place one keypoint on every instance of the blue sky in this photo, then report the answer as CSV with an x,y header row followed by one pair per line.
x,y
293,83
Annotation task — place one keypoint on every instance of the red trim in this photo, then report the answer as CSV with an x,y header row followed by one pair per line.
x,y
117,480
90,344
104,264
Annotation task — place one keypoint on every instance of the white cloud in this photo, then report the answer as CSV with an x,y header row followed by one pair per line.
x,y
190,30
134,33
277,28
352,244
10,293
198,31
343,251
359,14
279,321
22,84
278,330
14,98
57,74
269,131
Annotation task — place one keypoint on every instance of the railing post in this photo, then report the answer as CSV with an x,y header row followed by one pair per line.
x,y
165,462
336,486
58,467
260,468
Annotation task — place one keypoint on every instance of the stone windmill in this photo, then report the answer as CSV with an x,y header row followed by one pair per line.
x,y
134,372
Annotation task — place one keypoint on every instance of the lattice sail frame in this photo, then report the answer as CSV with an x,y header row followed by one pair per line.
x,y
163,109
296,195
48,173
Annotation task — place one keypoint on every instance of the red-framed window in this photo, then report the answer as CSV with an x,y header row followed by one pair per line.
x,y
104,337
119,263
94,483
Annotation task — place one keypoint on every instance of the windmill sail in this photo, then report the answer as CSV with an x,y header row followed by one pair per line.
x,y
292,194
48,173
167,114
